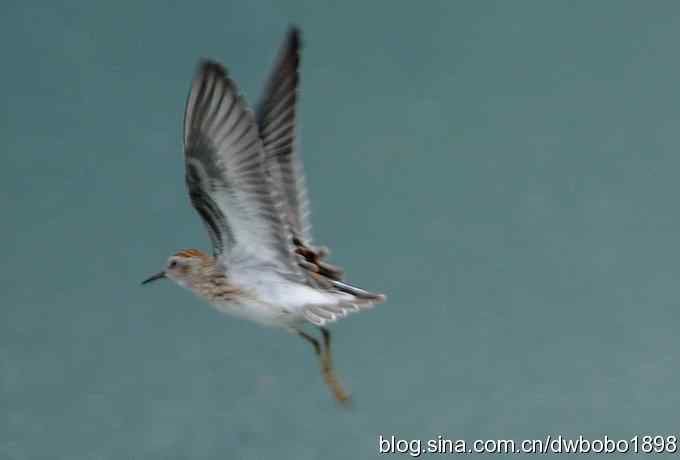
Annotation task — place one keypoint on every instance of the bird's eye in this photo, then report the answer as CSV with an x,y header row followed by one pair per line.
x,y
173,264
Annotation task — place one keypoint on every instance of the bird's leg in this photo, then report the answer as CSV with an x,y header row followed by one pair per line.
x,y
327,370
327,364
312,340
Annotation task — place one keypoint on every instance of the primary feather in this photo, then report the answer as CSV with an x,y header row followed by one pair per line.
x,y
226,175
276,118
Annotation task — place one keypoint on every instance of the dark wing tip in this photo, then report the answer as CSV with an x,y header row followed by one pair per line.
x,y
210,67
294,37
207,72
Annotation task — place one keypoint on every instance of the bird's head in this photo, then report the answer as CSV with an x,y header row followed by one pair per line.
x,y
184,268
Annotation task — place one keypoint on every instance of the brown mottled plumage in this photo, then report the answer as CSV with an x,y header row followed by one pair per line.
x,y
193,253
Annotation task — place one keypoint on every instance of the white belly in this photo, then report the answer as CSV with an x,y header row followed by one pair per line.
x,y
272,300
265,314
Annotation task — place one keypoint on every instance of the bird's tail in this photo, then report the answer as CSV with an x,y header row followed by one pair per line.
x,y
359,293
352,299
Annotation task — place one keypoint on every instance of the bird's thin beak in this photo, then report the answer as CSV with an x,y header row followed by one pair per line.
x,y
155,277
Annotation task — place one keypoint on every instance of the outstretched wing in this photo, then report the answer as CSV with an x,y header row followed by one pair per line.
x,y
226,175
276,116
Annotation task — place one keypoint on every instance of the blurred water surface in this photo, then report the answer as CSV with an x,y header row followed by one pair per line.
x,y
505,171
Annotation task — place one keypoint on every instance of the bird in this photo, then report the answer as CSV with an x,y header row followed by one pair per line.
x,y
244,176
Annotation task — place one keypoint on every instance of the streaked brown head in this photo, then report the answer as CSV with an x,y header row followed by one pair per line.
x,y
184,268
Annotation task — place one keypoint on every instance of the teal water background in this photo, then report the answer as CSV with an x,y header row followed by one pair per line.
x,y
507,172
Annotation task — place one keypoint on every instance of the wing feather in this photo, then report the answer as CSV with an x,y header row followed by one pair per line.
x,y
276,117
226,175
